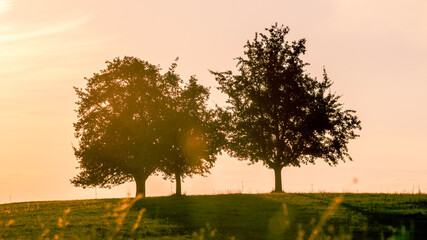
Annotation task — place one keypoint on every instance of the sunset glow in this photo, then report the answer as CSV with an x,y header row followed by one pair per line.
x,y
4,5
375,52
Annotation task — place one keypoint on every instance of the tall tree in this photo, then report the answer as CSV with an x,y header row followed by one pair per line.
x,y
277,113
119,127
194,138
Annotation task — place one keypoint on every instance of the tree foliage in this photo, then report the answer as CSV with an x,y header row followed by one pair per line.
x,y
134,121
277,113
119,125
194,139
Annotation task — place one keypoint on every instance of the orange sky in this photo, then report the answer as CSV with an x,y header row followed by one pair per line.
x,y
374,51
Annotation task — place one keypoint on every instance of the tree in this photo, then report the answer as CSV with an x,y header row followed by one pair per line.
x,y
194,139
277,113
120,123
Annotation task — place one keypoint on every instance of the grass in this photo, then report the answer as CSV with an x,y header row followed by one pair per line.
x,y
238,216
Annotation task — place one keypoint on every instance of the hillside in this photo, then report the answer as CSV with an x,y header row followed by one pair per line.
x,y
243,216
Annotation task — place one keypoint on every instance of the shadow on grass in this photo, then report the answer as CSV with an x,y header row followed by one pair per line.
x,y
399,218
238,215
388,223
283,216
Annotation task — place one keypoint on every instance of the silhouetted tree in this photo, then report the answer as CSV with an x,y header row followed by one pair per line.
x,y
277,113
120,124
193,137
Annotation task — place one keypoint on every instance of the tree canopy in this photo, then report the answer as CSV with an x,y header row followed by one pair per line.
x,y
194,139
277,113
119,125
134,121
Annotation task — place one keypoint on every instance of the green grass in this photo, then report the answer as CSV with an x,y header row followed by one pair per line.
x,y
242,216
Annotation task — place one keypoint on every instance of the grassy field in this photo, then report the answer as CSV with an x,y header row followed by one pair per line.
x,y
238,216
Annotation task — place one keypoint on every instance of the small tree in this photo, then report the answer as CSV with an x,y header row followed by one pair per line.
x,y
120,123
277,113
193,136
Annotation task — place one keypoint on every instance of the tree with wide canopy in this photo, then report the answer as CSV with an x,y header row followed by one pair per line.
x,y
134,121
120,123
277,114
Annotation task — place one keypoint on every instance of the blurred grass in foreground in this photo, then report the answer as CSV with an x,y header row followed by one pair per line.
x,y
233,216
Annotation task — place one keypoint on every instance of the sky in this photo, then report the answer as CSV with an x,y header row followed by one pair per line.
x,y
374,51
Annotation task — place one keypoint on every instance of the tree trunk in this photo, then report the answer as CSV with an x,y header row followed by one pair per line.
x,y
278,179
178,184
140,184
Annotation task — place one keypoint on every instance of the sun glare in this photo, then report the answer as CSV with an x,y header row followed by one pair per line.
x,y
4,6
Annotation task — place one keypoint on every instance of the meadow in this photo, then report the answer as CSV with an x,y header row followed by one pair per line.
x,y
231,216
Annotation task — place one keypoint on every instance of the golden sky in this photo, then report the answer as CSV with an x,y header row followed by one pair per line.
x,y
374,51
